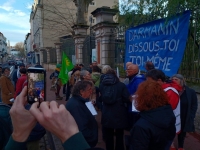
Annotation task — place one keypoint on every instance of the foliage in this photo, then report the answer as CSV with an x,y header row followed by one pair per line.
x,y
134,12
20,47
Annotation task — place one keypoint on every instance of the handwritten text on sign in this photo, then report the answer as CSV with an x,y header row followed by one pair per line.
x,y
161,41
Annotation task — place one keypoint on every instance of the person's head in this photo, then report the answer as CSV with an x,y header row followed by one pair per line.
x,y
128,63
132,69
105,69
150,95
149,65
81,65
83,89
179,79
58,66
85,75
95,69
22,71
156,75
111,71
6,71
21,66
94,63
90,65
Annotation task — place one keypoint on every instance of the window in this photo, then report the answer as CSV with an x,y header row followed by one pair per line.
x,y
92,3
93,20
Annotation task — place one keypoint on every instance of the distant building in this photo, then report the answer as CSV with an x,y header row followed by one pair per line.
x,y
14,52
3,47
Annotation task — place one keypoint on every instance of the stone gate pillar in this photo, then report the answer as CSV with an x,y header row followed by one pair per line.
x,y
104,36
48,54
58,53
79,37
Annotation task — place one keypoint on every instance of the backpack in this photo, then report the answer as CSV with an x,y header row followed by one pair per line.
x,y
5,124
108,95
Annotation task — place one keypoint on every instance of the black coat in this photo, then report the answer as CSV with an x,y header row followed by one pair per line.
x,y
85,120
154,129
191,111
115,115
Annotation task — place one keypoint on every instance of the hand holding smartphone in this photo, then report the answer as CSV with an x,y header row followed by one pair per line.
x,y
36,85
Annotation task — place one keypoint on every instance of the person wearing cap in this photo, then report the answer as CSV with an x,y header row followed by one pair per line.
x,y
18,72
56,82
188,108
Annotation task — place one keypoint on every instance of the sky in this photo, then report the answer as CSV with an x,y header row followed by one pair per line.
x,y
14,19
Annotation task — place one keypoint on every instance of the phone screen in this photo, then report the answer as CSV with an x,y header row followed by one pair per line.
x,y
36,86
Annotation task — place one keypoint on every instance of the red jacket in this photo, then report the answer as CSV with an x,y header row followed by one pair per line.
x,y
173,97
20,84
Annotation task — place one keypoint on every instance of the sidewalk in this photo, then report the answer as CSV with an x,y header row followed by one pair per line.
x,y
192,141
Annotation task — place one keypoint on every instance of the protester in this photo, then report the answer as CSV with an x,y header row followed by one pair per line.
x,y
82,115
21,82
134,78
74,77
7,88
149,66
172,90
114,120
96,75
86,76
188,108
155,128
56,83
126,80
55,118
90,68
104,70
16,74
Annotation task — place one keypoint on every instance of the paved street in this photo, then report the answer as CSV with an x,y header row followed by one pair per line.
x,y
192,141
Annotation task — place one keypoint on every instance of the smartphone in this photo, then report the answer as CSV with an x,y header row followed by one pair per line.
x,y
36,84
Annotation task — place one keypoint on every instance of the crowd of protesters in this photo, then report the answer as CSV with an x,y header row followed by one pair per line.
x,y
152,108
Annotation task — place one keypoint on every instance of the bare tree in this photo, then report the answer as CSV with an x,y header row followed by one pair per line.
x,y
20,47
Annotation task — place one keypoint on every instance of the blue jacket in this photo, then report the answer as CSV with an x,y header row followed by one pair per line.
x,y
134,83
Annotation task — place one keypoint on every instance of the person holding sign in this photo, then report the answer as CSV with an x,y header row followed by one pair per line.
x,y
76,105
155,127
135,79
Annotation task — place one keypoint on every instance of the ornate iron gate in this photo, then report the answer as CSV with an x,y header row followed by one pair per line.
x,y
88,45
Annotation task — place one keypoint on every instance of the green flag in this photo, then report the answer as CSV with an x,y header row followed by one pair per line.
x,y
66,67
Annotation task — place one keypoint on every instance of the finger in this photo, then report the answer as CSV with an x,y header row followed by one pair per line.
x,y
21,98
54,106
35,111
44,107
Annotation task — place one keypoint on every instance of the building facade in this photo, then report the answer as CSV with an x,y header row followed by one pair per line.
x,y
3,47
50,20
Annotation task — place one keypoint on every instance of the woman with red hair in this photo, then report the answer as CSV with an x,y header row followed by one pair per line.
x,y
156,126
